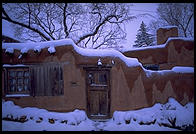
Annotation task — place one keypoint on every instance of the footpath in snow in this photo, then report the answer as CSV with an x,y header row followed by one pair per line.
x,y
161,117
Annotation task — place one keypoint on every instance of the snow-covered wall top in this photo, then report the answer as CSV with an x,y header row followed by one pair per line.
x,y
36,46
176,69
161,45
179,69
168,27
25,47
130,62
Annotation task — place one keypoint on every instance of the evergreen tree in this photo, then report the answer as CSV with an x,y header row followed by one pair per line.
x,y
143,38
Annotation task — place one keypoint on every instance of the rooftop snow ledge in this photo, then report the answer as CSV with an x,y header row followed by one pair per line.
x,y
167,27
17,95
18,65
107,53
51,49
177,38
24,47
161,45
9,50
176,69
180,69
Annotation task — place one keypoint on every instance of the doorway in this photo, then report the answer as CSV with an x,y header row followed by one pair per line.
x,y
98,93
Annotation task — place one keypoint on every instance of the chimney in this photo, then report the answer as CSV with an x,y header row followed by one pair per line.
x,y
164,33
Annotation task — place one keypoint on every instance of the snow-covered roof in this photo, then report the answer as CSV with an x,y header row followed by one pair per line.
x,y
25,47
168,27
175,69
161,45
130,62
180,69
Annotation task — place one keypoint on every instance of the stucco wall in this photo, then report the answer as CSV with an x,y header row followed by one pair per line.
x,y
164,33
131,88
74,95
177,52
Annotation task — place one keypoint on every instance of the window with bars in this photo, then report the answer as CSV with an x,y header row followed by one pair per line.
x,y
97,78
18,81
34,80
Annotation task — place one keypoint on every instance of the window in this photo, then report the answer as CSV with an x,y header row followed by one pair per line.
x,y
47,80
97,78
102,78
18,81
33,80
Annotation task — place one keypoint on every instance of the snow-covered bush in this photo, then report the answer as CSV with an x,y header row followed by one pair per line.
x,y
14,112
171,114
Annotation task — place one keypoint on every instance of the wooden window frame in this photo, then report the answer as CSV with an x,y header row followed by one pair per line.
x,y
8,84
96,78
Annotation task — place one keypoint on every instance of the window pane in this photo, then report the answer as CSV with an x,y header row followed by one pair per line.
x,y
91,78
102,78
19,88
26,81
19,73
12,81
61,74
12,73
26,74
12,88
25,87
20,81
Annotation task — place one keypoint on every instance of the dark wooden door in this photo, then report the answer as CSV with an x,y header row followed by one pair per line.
x,y
98,93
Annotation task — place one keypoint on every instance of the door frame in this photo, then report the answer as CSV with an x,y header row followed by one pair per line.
x,y
98,68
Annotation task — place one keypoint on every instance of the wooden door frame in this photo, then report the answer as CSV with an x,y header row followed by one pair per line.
x,y
98,68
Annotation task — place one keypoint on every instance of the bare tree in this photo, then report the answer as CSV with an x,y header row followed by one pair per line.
x,y
94,25
176,14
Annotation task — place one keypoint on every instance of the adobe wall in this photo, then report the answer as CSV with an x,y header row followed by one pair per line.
x,y
164,33
135,90
177,52
74,95
131,88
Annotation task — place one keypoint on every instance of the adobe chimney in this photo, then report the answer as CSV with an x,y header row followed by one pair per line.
x,y
165,32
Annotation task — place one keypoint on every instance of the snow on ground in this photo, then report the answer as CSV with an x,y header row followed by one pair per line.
x,y
147,119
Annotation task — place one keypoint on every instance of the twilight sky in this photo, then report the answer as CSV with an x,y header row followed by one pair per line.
x,y
131,27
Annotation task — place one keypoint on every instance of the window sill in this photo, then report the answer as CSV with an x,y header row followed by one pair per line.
x,y
17,95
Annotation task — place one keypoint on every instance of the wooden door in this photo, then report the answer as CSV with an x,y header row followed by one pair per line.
x,y
98,93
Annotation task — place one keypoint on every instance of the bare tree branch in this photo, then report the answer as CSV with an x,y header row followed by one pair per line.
x,y
178,14
97,29
23,25
87,24
64,20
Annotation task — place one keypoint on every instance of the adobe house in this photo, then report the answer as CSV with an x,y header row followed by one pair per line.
x,y
170,51
60,76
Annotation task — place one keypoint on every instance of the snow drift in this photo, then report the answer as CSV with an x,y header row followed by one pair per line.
x,y
171,114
